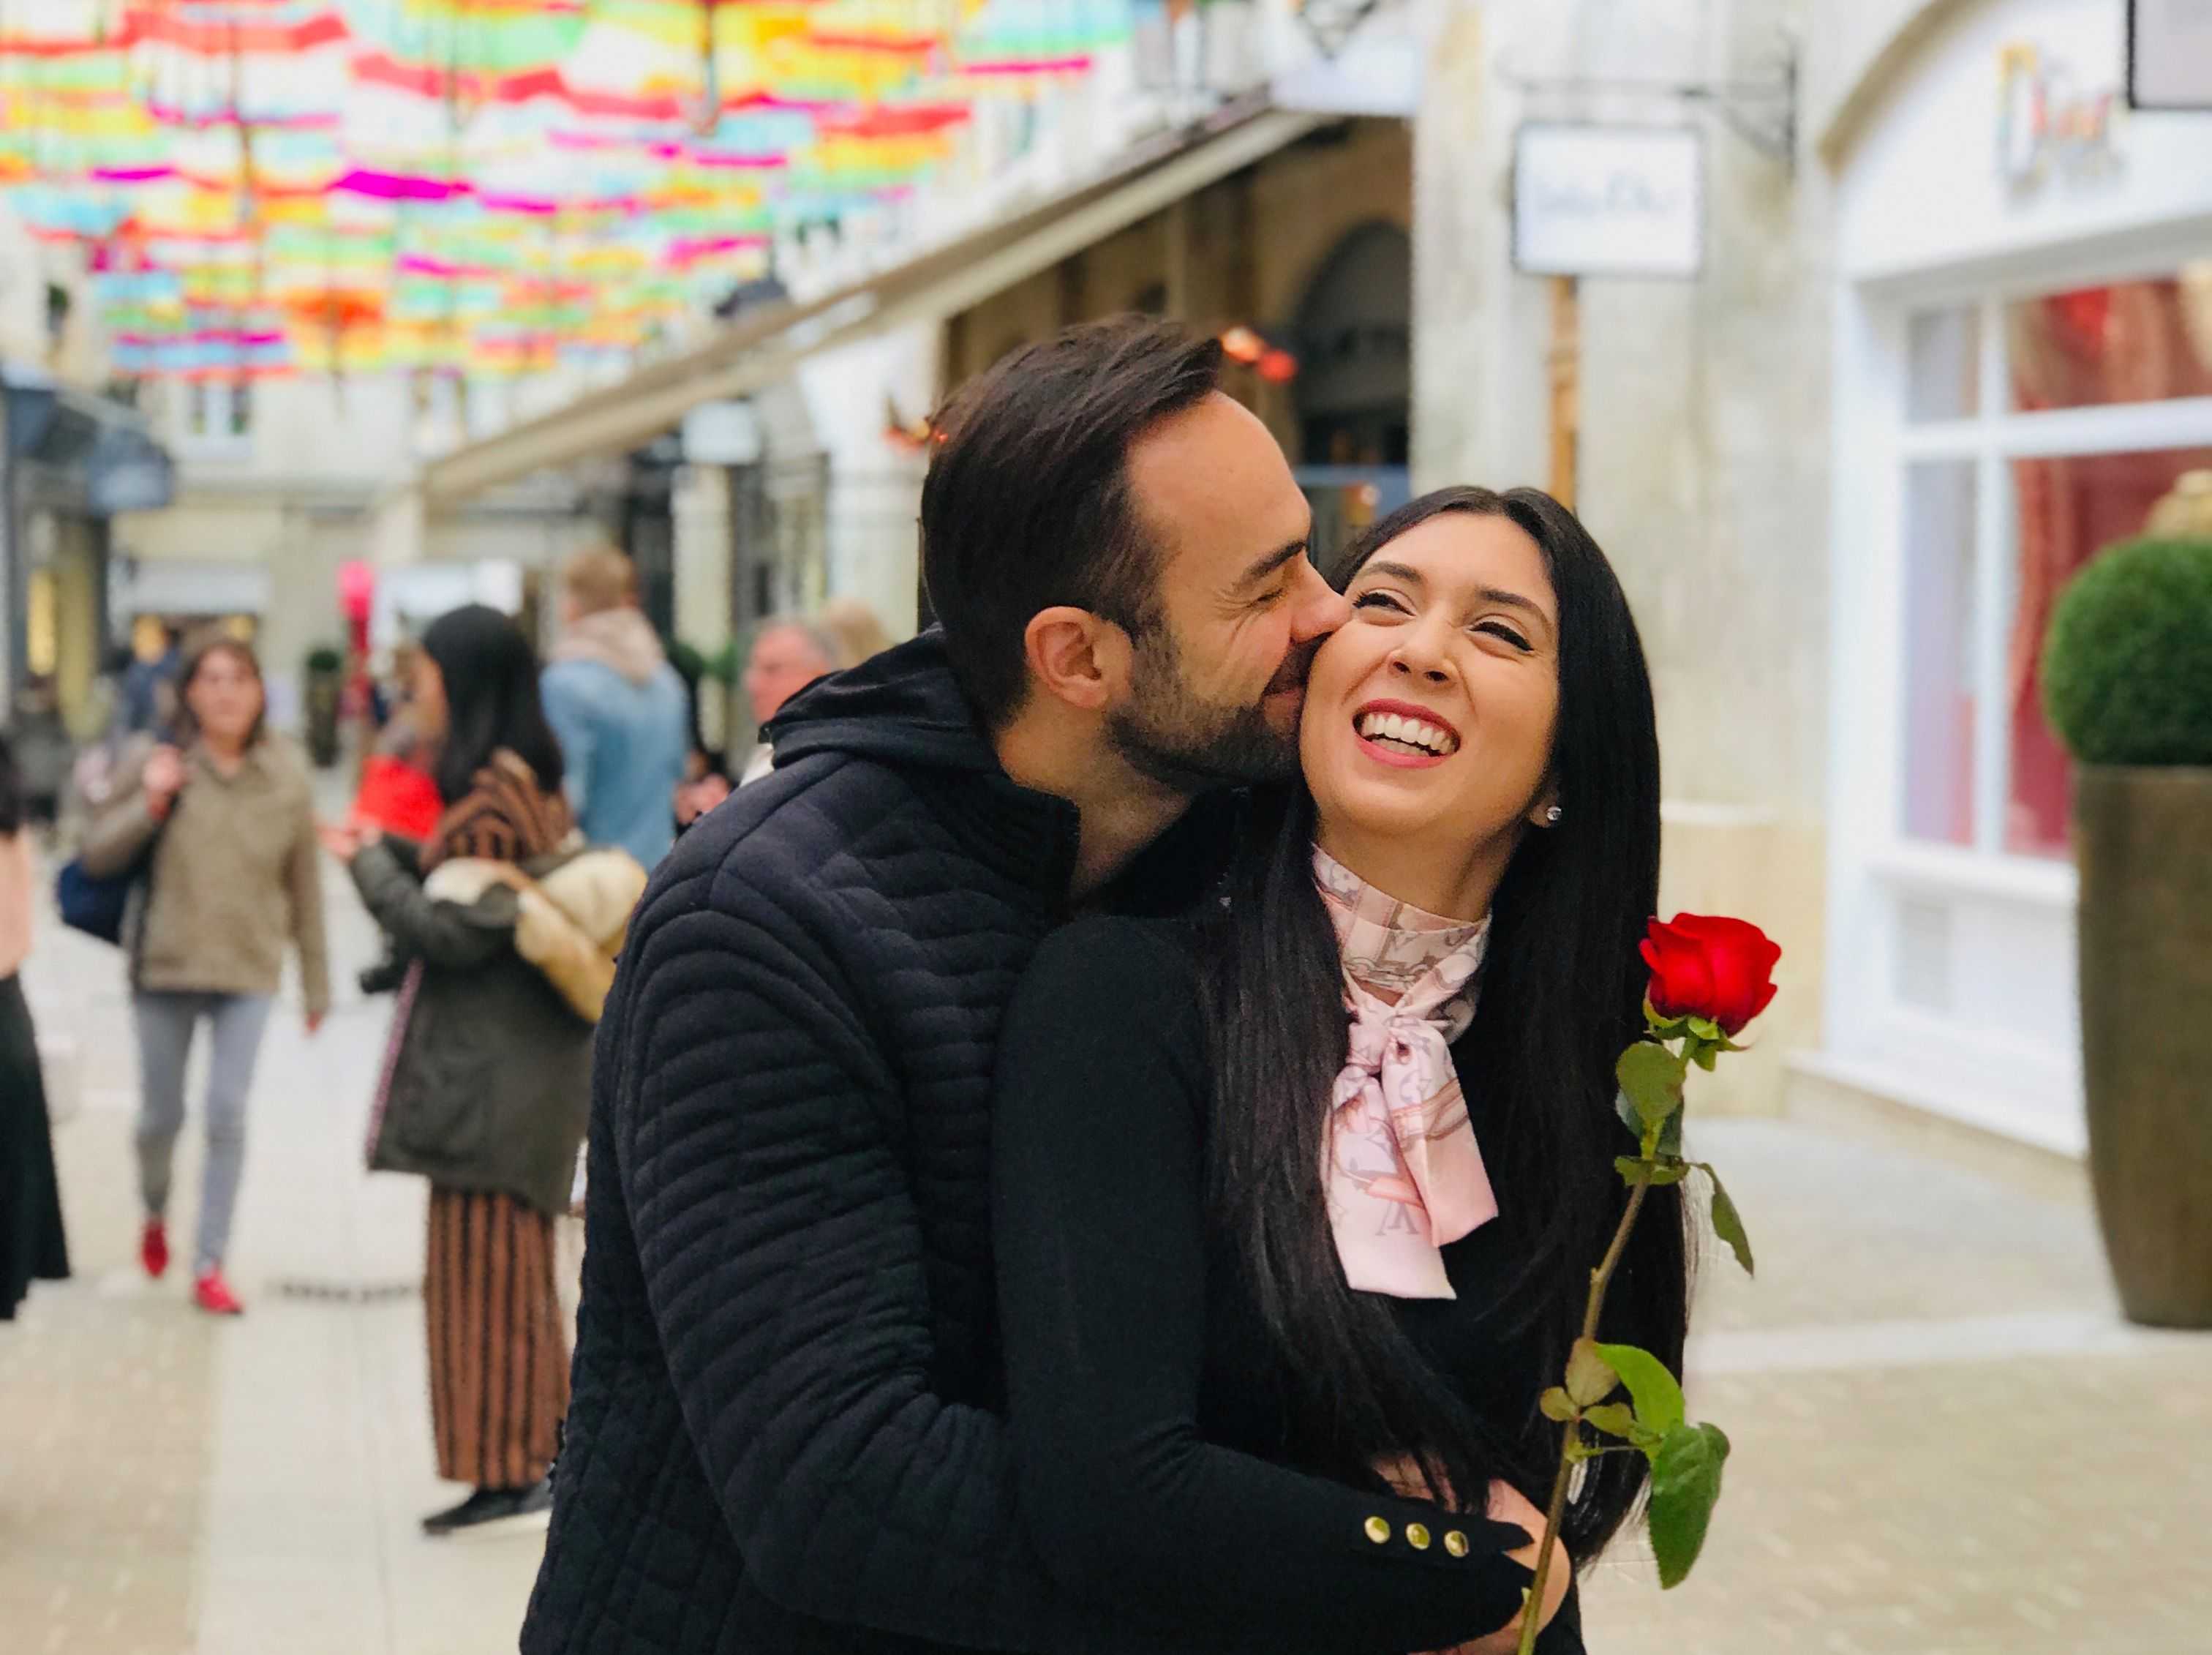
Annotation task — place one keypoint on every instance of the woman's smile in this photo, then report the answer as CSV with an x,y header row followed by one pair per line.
x,y
1403,734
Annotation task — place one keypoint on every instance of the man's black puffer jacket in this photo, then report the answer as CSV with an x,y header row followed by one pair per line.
x,y
780,1437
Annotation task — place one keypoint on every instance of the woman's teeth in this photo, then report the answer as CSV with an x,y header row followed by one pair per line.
x,y
1403,734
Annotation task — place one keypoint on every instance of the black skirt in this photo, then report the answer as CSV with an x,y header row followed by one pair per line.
x,y
32,1245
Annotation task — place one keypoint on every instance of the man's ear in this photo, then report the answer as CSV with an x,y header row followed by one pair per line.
x,y
1077,658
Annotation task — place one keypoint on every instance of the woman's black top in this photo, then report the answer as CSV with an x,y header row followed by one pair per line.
x,y
1143,1392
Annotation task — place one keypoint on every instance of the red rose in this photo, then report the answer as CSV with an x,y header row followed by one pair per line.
x,y
1708,967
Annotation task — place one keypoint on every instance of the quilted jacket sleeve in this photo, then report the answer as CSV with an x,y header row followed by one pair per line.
x,y
784,1269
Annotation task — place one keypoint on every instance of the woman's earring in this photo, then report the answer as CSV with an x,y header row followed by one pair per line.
x,y
1553,814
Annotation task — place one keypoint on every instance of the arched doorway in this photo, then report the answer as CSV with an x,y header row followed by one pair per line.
x,y
1354,393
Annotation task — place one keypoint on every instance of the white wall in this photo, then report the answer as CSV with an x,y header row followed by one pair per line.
x,y
1703,460
1921,189
1925,217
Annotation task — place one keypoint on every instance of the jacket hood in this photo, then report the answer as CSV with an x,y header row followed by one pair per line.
x,y
903,706
620,639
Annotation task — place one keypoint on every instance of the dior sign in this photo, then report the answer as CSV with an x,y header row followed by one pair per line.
x,y
2050,125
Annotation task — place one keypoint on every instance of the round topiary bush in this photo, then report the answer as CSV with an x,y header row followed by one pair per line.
x,y
2127,668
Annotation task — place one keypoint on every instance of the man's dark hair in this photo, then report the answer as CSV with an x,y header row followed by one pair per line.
x,y
1027,503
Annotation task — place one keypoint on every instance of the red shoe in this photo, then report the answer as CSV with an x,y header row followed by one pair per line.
x,y
153,1247
213,1294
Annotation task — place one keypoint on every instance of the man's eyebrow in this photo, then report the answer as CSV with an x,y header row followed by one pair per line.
x,y
1489,594
1288,553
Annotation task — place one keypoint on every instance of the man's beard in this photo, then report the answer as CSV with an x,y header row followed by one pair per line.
x,y
1191,745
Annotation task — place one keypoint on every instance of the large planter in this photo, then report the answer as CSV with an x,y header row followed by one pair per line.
x,y
2144,845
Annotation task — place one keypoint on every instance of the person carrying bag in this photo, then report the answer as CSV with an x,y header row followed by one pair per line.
x,y
504,924
212,841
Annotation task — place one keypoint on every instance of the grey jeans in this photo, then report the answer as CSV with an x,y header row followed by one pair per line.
x,y
166,1026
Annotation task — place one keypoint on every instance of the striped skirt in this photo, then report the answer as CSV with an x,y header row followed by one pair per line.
x,y
499,1360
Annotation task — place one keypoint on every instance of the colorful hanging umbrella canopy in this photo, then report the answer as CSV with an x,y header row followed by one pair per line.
x,y
478,186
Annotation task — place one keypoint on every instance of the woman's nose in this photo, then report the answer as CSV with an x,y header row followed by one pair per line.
x,y
1429,671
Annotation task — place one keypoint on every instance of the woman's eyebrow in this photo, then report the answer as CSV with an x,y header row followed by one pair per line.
x,y
1395,571
1505,599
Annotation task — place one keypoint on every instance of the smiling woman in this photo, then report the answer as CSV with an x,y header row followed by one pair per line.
x,y
1297,1203
1494,622
1429,718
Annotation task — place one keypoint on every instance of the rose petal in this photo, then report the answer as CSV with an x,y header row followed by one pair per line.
x,y
1735,961
1681,980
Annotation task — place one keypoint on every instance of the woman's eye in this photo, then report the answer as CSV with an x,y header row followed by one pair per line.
x,y
1379,601
1499,629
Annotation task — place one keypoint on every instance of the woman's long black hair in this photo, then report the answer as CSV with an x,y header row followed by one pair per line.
x,y
1562,993
491,698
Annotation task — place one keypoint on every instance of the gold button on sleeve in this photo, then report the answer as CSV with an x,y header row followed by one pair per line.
x,y
1417,1536
1378,1531
1456,1544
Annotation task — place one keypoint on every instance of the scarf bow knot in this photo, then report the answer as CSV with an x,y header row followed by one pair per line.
x,y
1405,1175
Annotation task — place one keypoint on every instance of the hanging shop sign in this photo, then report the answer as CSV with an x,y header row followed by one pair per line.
x,y
1590,200
2170,54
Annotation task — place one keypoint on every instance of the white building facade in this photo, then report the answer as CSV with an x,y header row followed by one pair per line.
x,y
1951,334
2023,368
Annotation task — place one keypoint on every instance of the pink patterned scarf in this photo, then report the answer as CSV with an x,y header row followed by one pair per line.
x,y
1405,1175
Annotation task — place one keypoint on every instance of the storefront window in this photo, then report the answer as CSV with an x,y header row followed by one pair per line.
x,y
2067,509
2130,341
1943,362
1939,651
1994,524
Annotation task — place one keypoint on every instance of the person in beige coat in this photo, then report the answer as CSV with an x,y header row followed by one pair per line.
x,y
221,829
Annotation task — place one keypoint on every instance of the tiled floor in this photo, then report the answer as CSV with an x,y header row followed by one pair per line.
x,y
1945,1439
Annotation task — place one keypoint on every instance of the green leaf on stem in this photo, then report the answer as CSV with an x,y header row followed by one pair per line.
x,y
1626,1110
1728,1223
1652,1076
1706,1058
1662,1027
1658,1173
1670,1135
1707,1031
1686,1485
1556,1405
1590,1377
1615,1420
1657,1395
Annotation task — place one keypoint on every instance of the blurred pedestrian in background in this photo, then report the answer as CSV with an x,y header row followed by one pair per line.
x,y
43,751
32,1247
221,826
617,707
398,791
789,653
706,781
486,1078
148,703
855,630
398,794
